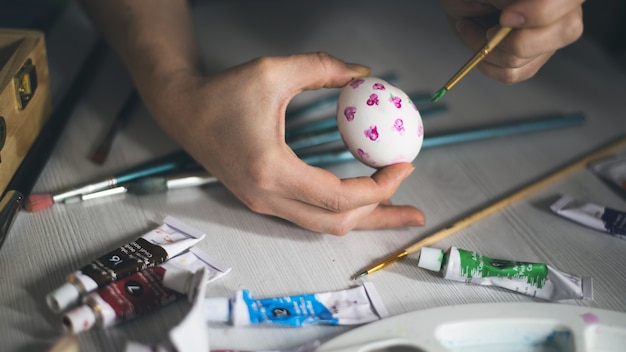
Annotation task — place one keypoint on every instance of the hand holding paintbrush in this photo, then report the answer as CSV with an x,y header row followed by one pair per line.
x,y
469,65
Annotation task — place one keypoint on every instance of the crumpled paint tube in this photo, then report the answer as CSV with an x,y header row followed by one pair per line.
x,y
592,215
134,346
192,333
356,305
142,292
532,279
156,246
612,170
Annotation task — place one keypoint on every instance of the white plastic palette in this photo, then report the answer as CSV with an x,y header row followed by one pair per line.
x,y
527,327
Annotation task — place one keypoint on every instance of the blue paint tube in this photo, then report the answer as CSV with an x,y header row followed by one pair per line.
x,y
592,215
353,306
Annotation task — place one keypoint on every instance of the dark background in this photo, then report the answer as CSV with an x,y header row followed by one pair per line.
x,y
605,20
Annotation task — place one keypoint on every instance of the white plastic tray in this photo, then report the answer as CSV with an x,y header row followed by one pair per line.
x,y
490,327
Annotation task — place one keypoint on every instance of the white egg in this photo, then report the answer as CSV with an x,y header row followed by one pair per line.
x,y
378,122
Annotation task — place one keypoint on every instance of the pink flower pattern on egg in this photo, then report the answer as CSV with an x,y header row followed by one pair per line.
x,y
356,83
378,86
349,112
398,126
395,100
378,122
373,100
372,133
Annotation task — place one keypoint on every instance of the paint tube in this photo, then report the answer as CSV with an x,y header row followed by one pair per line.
x,y
192,333
142,292
166,241
134,346
356,305
612,170
532,279
592,215
307,347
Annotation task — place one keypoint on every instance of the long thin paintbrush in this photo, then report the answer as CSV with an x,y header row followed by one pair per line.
x,y
498,204
100,155
469,65
151,185
178,160
341,155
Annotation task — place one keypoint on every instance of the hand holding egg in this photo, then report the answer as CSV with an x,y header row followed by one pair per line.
x,y
378,122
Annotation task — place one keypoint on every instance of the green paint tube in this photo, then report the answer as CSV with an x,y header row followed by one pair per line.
x,y
532,279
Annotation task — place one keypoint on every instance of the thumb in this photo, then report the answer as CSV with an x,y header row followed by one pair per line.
x,y
321,70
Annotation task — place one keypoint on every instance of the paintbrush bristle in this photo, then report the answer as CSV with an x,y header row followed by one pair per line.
x,y
37,202
440,93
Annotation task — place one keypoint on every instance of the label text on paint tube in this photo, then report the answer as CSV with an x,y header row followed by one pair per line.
x,y
156,246
592,215
356,305
532,279
142,292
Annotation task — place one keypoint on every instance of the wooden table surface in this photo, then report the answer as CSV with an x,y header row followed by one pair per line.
x,y
273,258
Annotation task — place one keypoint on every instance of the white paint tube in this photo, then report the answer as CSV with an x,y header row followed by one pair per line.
x,y
532,279
592,215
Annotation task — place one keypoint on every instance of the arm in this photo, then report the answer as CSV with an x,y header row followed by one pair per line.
x,y
540,29
233,122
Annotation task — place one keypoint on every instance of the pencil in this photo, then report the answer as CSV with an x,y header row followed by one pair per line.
x,y
498,204
473,61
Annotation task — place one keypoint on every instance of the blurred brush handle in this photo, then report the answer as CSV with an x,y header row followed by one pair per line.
x,y
190,180
178,160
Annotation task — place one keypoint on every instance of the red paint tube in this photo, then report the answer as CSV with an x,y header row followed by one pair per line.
x,y
142,292
170,239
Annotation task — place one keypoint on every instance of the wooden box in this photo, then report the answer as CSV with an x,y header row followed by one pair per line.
x,y
25,100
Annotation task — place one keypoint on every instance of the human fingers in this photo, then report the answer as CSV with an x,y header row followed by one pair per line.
x,y
538,13
319,70
318,200
518,57
526,43
510,75
322,189
387,216
372,216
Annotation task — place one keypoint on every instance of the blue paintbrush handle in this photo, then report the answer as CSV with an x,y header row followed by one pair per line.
x,y
176,161
316,136
331,121
551,122
501,130
329,101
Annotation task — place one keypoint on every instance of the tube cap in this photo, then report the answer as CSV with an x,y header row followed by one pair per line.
x,y
79,319
430,258
217,309
63,297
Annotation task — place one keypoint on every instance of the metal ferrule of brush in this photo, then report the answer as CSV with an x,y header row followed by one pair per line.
x,y
190,180
93,187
